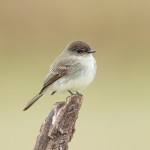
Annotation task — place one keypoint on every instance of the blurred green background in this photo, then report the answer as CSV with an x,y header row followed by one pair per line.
x,y
115,114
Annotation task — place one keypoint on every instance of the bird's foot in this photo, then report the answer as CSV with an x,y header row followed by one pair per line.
x,y
77,93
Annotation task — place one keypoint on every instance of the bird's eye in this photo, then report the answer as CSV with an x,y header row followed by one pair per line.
x,y
79,51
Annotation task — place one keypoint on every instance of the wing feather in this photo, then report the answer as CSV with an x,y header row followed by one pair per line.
x,y
57,71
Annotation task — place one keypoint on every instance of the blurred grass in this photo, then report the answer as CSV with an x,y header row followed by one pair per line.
x,y
115,112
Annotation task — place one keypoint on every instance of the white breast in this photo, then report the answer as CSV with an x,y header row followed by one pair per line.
x,y
89,71
82,80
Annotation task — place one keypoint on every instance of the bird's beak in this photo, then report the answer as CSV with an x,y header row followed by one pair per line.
x,y
91,51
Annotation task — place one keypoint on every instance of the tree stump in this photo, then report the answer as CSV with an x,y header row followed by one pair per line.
x,y
59,126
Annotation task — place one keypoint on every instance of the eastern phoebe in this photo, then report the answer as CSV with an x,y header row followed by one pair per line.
x,y
72,70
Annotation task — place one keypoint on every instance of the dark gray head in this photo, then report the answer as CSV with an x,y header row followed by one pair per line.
x,y
79,48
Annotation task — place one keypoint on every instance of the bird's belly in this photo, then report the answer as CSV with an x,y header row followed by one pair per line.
x,y
77,81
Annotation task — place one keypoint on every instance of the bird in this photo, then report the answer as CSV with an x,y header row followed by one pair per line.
x,y
73,70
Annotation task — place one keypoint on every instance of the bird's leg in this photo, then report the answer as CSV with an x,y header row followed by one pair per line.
x,y
70,92
53,92
78,93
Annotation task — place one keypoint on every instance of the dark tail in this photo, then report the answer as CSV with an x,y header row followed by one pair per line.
x,y
31,102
